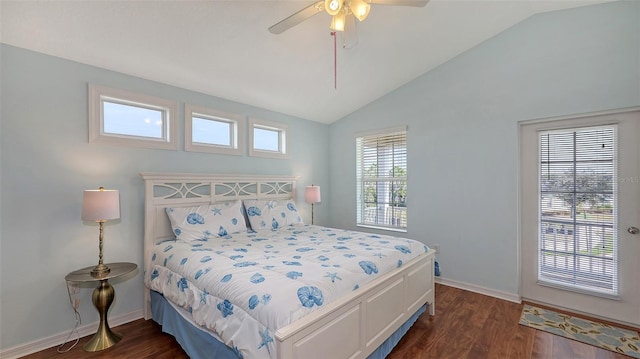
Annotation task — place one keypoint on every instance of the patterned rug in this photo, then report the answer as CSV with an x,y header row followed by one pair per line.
x,y
601,335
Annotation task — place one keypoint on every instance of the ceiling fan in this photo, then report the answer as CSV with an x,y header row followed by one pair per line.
x,y
344,14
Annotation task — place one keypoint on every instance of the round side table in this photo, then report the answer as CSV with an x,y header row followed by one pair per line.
x,y
102,298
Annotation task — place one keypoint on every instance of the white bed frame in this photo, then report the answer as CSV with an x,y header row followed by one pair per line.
x,y
354,325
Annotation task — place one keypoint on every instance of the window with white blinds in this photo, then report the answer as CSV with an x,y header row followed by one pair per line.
x,y
381,172
577,241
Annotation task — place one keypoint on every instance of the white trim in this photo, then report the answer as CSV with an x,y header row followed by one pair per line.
x,y
579,115
580,290
283,139
97,94
382,131
235,120
392,229
511,297
57,339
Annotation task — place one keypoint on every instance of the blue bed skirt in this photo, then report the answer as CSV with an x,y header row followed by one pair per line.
x,y
199,344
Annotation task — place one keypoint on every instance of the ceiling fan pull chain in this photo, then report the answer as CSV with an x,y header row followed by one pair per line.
x,y
335,60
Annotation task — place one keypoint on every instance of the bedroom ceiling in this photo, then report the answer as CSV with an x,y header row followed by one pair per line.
x,y
223,48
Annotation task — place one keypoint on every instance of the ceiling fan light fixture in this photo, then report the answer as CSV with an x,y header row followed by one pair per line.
x,y
333,7
360,9
338,21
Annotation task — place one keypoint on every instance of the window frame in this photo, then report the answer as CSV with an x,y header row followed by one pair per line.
x,y
549,224
169,109
235,120
361,178
283,139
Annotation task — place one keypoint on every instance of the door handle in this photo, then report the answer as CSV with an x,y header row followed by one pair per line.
x,y
633,230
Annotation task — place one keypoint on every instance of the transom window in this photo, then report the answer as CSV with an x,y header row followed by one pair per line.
x,y
381,174
208,130
125,118
578,209
268,139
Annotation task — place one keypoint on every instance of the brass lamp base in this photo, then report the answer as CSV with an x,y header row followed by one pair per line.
x,y
104,338
100,271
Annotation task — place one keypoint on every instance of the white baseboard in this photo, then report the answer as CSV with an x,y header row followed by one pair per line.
x,y
511,297
57,339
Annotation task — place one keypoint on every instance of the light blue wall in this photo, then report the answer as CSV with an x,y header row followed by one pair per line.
x,y
47,162
462,122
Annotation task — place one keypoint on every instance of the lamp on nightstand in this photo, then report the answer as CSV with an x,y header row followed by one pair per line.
x,y
312,195
100,206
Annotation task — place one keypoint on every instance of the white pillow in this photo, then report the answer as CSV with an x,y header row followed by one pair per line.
x,y
271,214
206,221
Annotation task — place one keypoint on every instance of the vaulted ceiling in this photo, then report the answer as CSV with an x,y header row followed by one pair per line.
x,y
223,48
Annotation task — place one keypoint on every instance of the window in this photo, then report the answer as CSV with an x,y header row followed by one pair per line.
x,y
577,240
125,118
381,174
268,139
208,130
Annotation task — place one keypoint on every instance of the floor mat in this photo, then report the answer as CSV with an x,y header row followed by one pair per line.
x,y
602,335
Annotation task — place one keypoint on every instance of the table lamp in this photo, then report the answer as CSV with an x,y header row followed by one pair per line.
x,y
312,195
100,206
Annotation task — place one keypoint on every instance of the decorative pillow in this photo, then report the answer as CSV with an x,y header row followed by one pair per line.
x,y
207,221
270,214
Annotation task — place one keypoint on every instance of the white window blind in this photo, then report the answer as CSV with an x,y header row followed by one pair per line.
x,y
381,172
577,192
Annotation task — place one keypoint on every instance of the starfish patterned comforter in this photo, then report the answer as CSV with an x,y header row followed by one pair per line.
x,y
246,286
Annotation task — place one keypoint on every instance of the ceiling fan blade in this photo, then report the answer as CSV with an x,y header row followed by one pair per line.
x,y
297,18
350,33
416,3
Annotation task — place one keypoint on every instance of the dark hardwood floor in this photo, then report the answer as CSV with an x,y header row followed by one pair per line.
x,y
466,325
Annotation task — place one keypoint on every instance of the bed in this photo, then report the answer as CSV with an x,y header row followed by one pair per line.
x,y
310,291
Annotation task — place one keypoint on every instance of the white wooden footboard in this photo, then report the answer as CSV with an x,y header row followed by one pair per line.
x,y
355,326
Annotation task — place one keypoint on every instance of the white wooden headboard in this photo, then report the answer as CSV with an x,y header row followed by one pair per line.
x,y
192,189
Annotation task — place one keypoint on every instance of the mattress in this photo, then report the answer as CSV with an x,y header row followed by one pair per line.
x,y
245,286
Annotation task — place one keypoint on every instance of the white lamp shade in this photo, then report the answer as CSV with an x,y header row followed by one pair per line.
x,y
100,205
312,194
